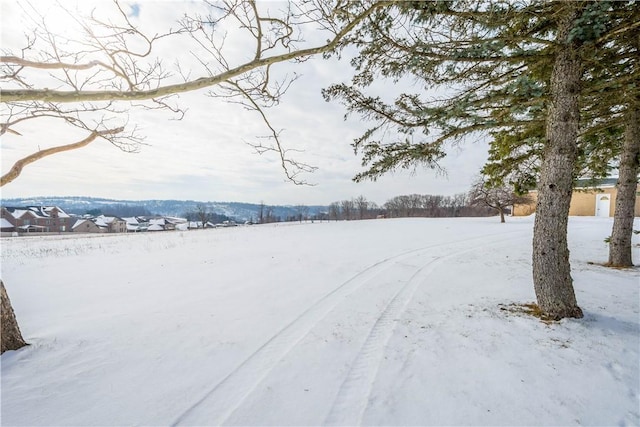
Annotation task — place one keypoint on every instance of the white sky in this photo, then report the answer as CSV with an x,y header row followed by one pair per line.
x,y
205,156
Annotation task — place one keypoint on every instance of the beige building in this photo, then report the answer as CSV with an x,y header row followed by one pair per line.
x,y
101,224
585,201
86,226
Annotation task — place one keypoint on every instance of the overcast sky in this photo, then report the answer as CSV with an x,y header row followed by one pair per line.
x,y
205,156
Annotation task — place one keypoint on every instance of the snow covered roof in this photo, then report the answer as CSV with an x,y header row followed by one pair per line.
x,y
37,211
5,224
597,183
175,220
100,222
78,223
61,214
106,219
17,212
155,227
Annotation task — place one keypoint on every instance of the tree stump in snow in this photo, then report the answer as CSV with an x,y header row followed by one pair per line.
x,y
11,338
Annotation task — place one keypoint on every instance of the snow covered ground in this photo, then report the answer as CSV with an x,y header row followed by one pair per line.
x,y
380,322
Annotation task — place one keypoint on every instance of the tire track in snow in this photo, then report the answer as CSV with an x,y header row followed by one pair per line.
x,y
352,398
227,395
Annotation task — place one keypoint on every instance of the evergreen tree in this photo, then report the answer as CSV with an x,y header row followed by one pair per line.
x,y
608,137
508,68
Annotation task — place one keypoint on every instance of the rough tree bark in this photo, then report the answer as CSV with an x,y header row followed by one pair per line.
x,y
11,338
620,242
551,269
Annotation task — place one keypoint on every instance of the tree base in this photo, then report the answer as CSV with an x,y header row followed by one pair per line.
x,y
618,265
11,338
574,312
533,309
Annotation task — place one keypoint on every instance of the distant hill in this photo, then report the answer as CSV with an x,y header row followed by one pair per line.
x,y
81,205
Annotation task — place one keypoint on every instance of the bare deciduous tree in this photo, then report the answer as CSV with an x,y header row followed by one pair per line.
x,y
261,213
93,82
334,211
496,198
204,216
302,212
348,209
269,216
362,205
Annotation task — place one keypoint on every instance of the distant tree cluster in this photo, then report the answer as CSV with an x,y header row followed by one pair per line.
x,y
356,208
411,205
299,213
434,206
266,214
204,214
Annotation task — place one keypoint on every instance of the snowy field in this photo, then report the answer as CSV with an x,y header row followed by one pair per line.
x,y
380,322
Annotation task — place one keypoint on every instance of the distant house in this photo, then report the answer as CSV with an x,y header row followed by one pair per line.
x,y
183,226
174,223
42,219
157,224
587,199
86,226
113,224
133,224
194,225
101,224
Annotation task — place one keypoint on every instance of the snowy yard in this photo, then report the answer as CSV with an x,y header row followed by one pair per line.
x,y
380,322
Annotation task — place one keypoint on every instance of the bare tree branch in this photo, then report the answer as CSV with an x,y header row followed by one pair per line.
x,y
47,66
285,162
17,167
16,95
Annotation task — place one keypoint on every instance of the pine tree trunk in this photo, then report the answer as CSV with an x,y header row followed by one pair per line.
x,y
551,269
11,338
620,242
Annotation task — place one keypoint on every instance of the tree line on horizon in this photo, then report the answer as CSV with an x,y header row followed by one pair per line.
x,y
480,201
476,202
409,205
